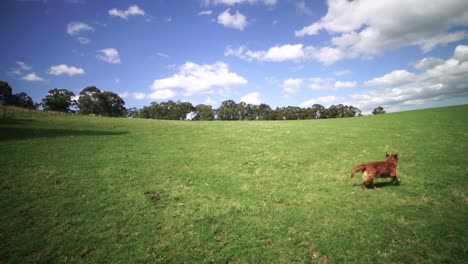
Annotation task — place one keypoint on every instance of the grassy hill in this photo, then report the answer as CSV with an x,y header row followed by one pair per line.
x,y
75,189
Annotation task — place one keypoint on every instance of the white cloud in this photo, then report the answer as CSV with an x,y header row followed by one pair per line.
x,y
138,95
239,52
292,86
428,63
236,21
303,8
83,40
75,28
342,72
20,69
324,100
162,55
23,66
440,81
205,13
110,55
340,84
209,101
366,28
33,77
65,69
251,98
133,10
461,53
282,53
124,94
289,52
194,78
135,95
163,94
327,55
393,78
429,43
324,84
233,2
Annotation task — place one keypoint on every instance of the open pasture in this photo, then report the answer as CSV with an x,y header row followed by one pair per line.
x,y
90,189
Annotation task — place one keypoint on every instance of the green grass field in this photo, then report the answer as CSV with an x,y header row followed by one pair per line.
x,y
73,189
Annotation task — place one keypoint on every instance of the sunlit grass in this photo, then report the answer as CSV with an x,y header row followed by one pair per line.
x,y
73,190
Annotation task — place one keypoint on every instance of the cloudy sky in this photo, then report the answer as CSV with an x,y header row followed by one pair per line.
x,y
397,54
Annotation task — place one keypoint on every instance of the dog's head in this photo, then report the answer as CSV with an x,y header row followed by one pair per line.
x,y
392,157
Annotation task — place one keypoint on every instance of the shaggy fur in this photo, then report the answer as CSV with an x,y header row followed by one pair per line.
x,y
379,169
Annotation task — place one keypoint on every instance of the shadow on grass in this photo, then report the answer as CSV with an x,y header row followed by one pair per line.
x,y
15,121
18,133
382,184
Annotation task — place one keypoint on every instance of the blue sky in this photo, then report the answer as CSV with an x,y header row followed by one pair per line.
x,y
397,54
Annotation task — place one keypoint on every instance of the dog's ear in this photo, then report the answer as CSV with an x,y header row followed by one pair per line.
x,y
386,154
396,155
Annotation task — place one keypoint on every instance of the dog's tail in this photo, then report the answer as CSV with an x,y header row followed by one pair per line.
x,y
361,167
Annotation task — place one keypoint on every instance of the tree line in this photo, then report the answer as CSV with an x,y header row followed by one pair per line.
x,y
230,110
93,101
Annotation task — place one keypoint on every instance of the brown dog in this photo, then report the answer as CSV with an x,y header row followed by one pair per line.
x,y
379,169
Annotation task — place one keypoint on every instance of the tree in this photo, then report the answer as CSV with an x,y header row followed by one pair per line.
x,y
249,112
228,111
89,101
59,100
22,100
350,111
263,112
93,101
293,113
204,112
278,114
183,108
132,112
379,110
5,93
317,111
168,110
112,104
145,112
244,111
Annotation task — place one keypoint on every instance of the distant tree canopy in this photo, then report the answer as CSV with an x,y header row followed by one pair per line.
x,y
20,99
379,110
204,112
5,93
230,110
90,101
132,112
169,110
60,100
93,101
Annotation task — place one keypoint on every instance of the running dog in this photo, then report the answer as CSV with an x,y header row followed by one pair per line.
x,y
379,169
